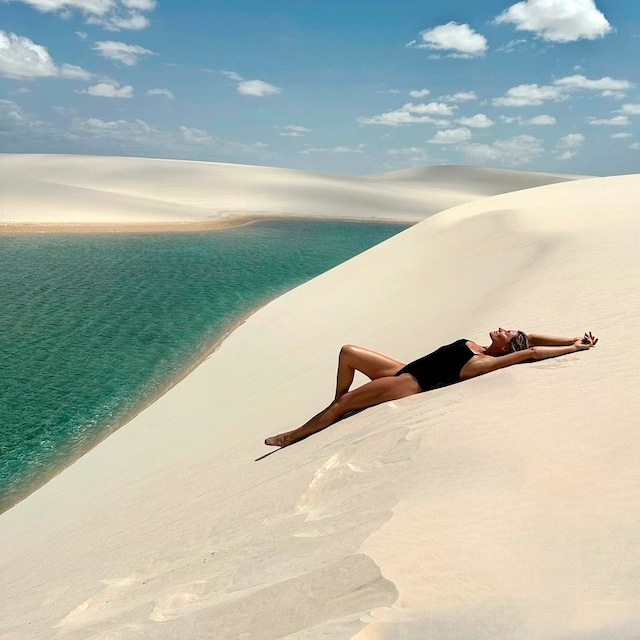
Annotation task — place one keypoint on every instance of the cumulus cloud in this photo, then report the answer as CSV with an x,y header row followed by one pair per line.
x,y
607,86
479,121
21,58
161,92
451,136
411,113
419,93
516,151
543,120
571,140
568,145
630,109
557,20
127,131
257,88
635,146
525,95
128,54
616,121
109,89
460,40
191,135
619,136
461,96
293,131
533,94
110,14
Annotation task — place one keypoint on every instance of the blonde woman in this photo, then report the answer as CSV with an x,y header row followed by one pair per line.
x,y
460,360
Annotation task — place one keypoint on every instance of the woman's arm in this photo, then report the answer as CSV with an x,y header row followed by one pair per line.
x,y
486,364
541,340
579,344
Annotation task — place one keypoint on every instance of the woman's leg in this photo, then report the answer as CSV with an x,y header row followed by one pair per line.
x,y
373,364
368,395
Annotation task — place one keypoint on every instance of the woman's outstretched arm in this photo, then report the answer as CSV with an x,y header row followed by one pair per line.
x,y
539,352
543,340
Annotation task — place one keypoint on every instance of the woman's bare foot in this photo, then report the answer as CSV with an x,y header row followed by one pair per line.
x,y
281,440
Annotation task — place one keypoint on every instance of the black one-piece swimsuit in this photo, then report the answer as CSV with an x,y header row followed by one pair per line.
x,y
441,367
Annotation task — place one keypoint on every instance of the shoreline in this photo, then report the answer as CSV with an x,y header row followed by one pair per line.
x,y
183,372
140,407
21,228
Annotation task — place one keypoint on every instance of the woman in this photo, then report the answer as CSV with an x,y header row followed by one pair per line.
x,y
460,360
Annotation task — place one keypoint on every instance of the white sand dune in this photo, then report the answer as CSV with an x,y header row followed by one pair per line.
x,y
116,191
503,507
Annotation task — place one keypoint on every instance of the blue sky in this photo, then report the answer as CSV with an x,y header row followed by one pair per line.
x,y
350,87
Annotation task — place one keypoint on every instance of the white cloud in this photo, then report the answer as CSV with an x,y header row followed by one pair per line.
x,y
127,131
21,58
81,34
408,155
617,121
134,21
128,54
479,121
568,145
525,95
191,135
543,120
252,87
519,150
608,86
511,46
406,151
630,109
293,131
451,136
557,20
411,113
161,92
109,89
419,93
257,88
635,146
462,96
571,141
617,136
340,149
460,39
141,5
111,14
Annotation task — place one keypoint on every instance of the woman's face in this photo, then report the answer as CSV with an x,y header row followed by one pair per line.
x,y
502,337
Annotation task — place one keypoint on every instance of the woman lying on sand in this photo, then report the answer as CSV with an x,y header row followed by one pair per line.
x,y
460,360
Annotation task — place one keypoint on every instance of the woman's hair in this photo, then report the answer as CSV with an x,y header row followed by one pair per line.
x,y
519,342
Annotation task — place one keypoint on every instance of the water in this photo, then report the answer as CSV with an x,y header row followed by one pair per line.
x,y
94,326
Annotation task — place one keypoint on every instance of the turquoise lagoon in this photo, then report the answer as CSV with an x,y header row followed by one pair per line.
x,y
93,327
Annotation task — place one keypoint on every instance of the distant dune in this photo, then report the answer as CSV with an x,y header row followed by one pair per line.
x,y
72,191
477,181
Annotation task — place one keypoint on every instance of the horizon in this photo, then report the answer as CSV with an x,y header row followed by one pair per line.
x,y
364,89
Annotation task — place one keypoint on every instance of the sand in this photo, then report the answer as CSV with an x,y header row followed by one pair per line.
x,y
503,507
103,193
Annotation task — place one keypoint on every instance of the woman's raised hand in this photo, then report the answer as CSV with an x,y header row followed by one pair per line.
x,y
586,342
